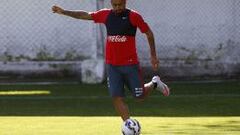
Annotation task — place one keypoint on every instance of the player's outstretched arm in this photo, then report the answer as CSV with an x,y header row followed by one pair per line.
x,y
151,41
75,14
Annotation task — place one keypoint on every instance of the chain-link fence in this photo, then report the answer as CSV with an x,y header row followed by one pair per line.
x,y
192,36
30,31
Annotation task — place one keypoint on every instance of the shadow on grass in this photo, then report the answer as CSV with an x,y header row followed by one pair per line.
x,y
187,100
178,106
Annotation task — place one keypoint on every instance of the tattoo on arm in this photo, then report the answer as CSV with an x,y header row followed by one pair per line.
x,y
78,14
151,42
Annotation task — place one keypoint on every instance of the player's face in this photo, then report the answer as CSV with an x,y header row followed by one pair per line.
x,y
118,5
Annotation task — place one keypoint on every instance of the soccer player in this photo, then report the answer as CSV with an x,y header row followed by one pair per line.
x,y
121,54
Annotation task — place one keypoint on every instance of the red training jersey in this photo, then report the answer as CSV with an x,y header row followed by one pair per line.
x,y
121,31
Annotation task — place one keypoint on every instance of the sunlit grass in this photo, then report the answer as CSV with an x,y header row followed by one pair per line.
x,y
24,92
193,109
111,125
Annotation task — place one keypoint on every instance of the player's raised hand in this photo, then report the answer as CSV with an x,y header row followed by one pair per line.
x,y
57,9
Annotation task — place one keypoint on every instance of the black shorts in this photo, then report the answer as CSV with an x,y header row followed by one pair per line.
x,y
120,76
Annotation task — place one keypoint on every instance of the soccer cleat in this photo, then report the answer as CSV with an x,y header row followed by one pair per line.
x,y
160,86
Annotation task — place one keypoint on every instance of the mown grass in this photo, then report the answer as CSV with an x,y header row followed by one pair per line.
x,y
112,125
70,109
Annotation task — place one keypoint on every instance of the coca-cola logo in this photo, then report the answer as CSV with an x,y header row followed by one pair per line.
x,y
117,38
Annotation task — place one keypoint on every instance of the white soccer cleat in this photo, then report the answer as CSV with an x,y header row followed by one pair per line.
x,y
161,86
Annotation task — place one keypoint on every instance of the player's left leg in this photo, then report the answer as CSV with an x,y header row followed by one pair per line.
x,y
157,84
133,80
139,89
160,86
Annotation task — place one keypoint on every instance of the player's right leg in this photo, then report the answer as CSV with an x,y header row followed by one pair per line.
x,y
121,107
116,90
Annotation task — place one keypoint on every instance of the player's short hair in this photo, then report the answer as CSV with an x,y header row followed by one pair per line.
x,y
123,0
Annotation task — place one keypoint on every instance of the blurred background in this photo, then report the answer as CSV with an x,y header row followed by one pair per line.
x,y
194,39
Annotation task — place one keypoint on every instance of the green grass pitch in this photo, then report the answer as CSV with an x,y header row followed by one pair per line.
x,y
210,108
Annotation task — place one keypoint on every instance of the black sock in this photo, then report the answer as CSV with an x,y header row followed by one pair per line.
x,y
154,85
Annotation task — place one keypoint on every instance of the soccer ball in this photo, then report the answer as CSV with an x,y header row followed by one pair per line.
x,y
131,127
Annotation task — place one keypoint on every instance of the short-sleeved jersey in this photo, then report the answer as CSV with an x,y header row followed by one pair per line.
x,y
121,32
